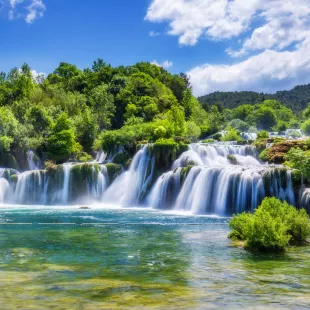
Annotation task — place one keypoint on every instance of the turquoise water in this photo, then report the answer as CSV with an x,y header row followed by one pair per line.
x,y
68,258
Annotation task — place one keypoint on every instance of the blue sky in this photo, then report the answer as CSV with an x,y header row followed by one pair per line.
x,y
257,45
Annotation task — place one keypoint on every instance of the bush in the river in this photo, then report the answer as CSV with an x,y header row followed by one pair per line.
x,y
264,155
208,141
232,159
14,178
231,135
273,226
263,134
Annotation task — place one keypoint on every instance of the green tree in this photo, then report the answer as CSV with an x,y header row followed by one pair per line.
x,y
306,127
8,122
193,131
265,118
61,144
103,106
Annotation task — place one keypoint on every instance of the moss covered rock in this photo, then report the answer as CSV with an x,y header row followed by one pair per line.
x,y
232,159
185,171
275,154
114,170
14,178
7,160
166,151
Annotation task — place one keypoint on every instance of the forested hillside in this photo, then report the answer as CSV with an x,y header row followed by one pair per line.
x,y
71,113
296,99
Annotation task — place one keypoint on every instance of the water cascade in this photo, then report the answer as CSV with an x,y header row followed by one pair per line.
x,y
219,179
131,186
101,157
33,161
4,184
66,184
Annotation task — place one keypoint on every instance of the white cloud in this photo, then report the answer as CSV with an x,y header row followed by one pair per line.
x,y
281,22
165,64
13,3
35,10
269,71
27,9
154,34
274,34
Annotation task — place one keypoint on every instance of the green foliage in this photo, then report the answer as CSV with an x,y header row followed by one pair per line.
x,y
114,170
8,122
265,118
273,226
208,141
61,143
160,132
299,159
306,127
193,131
242,112
103,103
5,143
263,134
264,155
295,99
238,124
231,135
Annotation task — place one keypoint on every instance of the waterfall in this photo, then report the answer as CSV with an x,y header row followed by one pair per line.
x,y
4,185
130,186
28,187
69,183
249,136
33,161
101,157
66,183
221,179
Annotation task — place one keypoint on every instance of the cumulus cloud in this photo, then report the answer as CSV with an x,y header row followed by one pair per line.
x,y
165,64
274,35
281,22
30,10
266,72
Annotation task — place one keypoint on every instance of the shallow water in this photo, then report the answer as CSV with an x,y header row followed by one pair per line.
x,y
67,258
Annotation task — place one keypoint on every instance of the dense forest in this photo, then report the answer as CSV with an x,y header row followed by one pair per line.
x,y
71,113
296,99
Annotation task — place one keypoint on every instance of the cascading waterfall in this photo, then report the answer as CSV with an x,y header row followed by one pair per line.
x,y
33,161
101,157
68,184
130,187
219,179
4,184
305,198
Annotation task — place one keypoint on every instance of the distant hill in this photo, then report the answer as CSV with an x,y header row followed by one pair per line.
x,y
296,99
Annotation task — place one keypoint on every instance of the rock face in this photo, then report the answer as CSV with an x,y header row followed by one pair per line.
x,y
275,154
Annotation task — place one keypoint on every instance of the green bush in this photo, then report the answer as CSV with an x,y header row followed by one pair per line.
x,y
306,127
208,141
231,135
264,155
263,134
5,143
273,226
217,136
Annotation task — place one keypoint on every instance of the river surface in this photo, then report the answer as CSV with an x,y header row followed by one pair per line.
x,y
69,258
